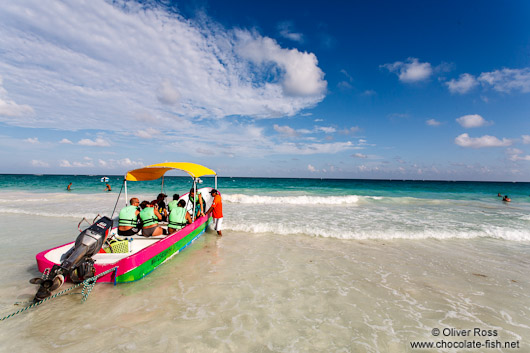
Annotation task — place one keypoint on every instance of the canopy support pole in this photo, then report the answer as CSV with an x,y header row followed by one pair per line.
x,y
195,197
126,197
162,184
215,181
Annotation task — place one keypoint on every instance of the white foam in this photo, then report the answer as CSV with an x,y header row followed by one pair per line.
x,y
292,200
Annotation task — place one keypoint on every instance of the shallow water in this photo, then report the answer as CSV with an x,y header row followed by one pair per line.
x,y
267,292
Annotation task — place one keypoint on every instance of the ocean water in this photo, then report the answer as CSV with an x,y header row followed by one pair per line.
x,y
305,265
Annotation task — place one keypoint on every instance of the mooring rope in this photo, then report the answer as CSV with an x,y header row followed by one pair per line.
x,y
88,284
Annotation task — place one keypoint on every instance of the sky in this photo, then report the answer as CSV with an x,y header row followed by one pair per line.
x,y
423,90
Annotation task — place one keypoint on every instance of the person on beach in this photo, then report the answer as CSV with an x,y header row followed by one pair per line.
x,y
107,187
217,212
68,187
179,217
162,206
173,204
199,206
150,217
128,219
506,198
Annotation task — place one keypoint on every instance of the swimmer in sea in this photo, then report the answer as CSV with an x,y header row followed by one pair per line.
x,y
107,187
506,198
68,187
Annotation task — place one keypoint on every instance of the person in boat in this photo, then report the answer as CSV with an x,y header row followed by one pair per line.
x,y
199,204
107,187
217,212
506,198
173,204
162,206
68,188
150,218
128,220
179,217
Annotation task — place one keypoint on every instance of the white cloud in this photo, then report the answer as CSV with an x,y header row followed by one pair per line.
x,y
359,155
286,30
32,140
98,142
479,142
38,163
101,59
369,93
312,148
526,139
285,130
148,133
66,164
9,108
311,168
473,120
326,129
411,70
464,84
515,154
433,122
350,131
302,76
507,80
167,94
65,140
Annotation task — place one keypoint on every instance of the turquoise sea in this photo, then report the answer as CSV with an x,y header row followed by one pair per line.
x,y
304,265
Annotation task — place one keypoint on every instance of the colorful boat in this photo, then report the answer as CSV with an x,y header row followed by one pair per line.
x,y
138,255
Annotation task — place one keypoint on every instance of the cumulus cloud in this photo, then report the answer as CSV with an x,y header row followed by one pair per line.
x,y
507,80
464,140
515,154
148,133
433,122
32,140
38,163
326,129
526,139
286,30
67,164
464,84
301,75
101,59
359,155
311,168
65,140
471,121
285,130
98,142
410,71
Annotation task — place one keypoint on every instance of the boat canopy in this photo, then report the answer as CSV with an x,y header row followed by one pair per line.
x,y
156,171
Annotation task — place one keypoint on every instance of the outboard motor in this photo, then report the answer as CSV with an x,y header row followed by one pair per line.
x,y
77,263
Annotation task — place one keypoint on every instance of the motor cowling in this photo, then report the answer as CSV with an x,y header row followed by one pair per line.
x,y
77,263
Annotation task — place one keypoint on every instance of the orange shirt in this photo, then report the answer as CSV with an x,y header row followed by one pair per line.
x,y
217,211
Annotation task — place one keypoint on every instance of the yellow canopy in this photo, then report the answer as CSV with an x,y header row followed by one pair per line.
x,y
156,171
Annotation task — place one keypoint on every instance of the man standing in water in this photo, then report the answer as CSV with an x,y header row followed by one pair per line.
x,y
68,187
217,212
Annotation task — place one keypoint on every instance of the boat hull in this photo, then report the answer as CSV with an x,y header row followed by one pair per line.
x,y
138,265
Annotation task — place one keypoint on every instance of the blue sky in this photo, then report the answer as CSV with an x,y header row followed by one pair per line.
x,y
360,89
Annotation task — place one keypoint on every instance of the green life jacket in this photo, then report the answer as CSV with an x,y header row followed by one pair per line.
x,y
177,218
128,216
148,217
173,204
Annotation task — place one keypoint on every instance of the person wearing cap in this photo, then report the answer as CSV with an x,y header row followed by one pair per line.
x,y
217,211
162,206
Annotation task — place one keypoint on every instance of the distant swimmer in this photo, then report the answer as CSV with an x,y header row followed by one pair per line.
x,y
506,198
107,187
68,187
499,194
